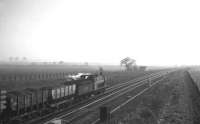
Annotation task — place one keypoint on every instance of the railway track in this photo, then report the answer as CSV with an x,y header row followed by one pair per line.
x,y
111,99
110,94
114,109
66,110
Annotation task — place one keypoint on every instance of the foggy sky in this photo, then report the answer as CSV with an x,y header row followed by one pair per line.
x,y
152,32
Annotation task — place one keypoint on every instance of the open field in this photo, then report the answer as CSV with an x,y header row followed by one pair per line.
x,y
34,76
174,99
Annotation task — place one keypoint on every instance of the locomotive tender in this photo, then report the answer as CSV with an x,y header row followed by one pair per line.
x,y
30,101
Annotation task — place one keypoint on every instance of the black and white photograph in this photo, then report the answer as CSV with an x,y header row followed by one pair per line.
x,y
99,62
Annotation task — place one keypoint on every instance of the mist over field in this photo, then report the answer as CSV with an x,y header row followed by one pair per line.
x,y
105,61
152,32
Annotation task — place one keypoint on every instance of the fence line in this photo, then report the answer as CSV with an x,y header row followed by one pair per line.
x,y
33,76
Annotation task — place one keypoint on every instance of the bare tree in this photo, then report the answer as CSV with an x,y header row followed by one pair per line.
x,y
128,63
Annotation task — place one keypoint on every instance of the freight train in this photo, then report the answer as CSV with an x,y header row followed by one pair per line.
x,y
32,102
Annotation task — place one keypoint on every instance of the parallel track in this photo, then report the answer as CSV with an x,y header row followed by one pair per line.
x,y
127,101
108,90
110,94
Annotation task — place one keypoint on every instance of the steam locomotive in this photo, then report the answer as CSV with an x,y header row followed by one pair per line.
x,y
31,102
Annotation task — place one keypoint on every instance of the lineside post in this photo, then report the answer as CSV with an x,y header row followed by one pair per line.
x,y
104,114
149,81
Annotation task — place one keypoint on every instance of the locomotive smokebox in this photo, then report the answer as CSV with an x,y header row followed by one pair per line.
x,y
104,114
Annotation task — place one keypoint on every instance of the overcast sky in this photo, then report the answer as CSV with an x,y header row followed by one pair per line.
x,y
154,32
